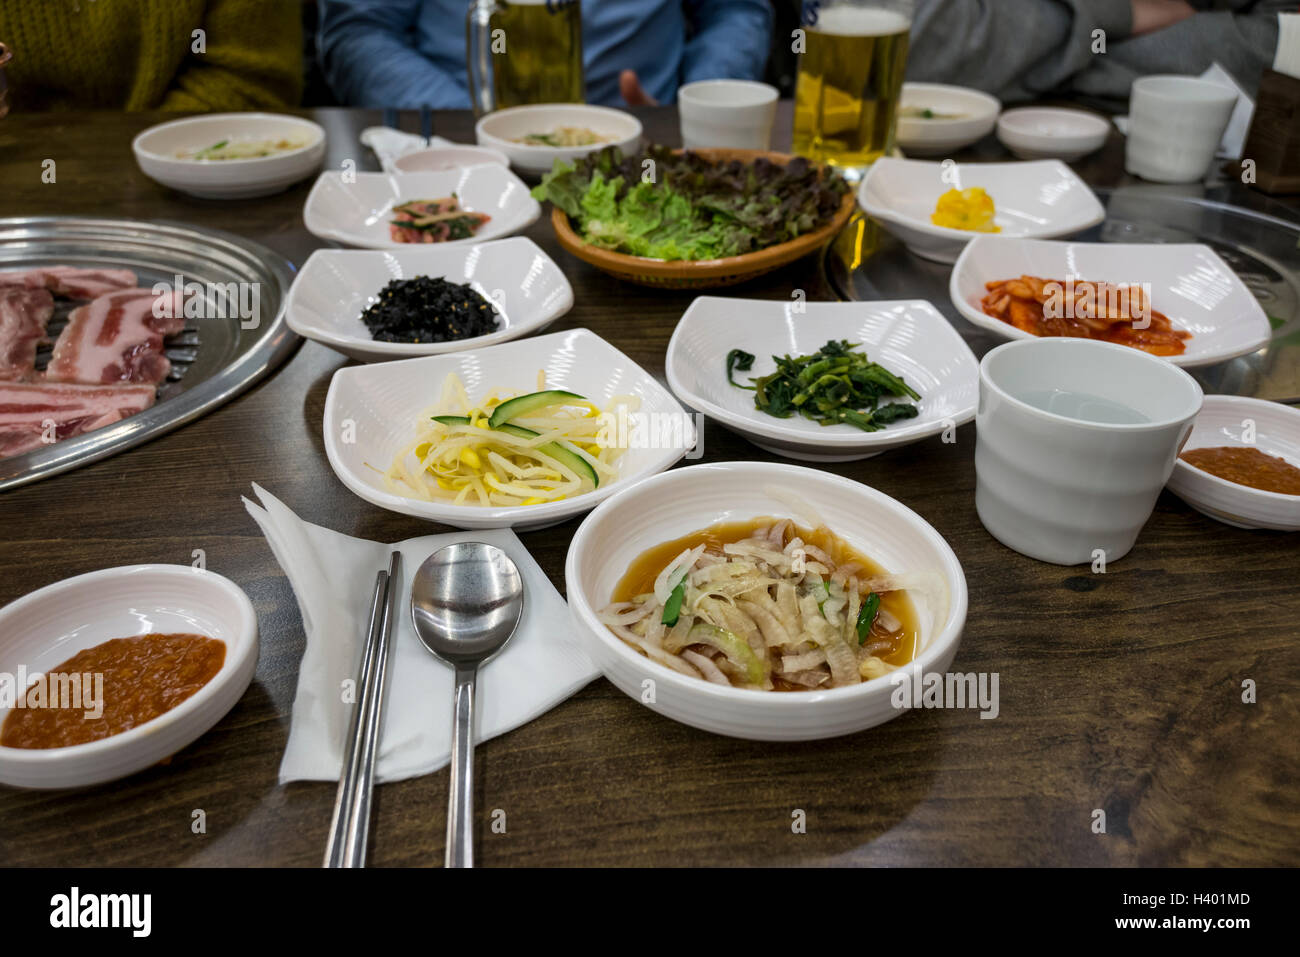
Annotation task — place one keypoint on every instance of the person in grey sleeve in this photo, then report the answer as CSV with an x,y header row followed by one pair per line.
x,y
1028,49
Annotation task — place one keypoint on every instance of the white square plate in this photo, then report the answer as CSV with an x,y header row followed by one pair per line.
x,y
336,285
908,337
354,208
382,402
1188,282
1039,199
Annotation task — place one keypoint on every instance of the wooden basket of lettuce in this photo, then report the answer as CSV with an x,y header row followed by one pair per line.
x,y
664,217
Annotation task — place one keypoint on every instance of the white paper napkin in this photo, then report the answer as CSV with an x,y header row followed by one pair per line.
x,y
1234,137
390,145
333,578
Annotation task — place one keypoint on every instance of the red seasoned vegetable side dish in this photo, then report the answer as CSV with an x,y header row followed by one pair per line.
x,y
1084,310
434,221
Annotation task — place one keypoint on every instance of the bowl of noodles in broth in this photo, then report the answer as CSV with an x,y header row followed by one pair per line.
x,y
764,601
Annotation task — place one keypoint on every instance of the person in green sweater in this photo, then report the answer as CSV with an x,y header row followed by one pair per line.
x,y
152,54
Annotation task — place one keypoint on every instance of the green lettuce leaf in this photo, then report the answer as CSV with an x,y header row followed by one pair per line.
x,y
667,205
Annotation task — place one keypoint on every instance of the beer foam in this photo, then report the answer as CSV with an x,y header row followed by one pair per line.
x,y
860,22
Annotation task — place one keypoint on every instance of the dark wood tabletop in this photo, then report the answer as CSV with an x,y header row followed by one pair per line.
x,y
1120,692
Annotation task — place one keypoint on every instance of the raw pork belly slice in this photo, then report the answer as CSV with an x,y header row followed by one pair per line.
x,y
26,407
24,314
116,338
71,281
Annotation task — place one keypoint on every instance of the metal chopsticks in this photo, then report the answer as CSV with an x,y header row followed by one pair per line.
x,y
350,826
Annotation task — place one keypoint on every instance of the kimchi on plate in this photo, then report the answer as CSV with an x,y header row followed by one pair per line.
x,y
1085,310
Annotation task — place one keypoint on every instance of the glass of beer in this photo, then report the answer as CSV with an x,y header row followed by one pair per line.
x,y
524,51
850,79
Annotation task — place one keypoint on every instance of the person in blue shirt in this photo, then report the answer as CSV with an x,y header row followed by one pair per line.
x,y
411,53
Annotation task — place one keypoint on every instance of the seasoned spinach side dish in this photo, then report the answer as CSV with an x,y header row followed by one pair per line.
x,y
833,386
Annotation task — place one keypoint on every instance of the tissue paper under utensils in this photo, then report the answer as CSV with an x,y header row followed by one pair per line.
x,y
333,579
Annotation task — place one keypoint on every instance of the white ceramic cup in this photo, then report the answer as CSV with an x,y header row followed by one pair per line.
x,y
1075,440
732,114
1175,125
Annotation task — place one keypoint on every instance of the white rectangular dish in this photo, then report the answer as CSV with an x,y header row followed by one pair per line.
x,y
336,285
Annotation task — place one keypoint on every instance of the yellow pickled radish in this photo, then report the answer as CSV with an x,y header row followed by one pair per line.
x,y
970,209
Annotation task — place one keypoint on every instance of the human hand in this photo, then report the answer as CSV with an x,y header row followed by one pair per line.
x,y
1152,15
633,93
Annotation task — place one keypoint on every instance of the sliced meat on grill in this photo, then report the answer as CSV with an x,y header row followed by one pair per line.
x,y
24,313
35,414
117,338
72,282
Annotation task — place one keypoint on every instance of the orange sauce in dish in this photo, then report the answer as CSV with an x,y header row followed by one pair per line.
x,y
645,568
1247,466
143,677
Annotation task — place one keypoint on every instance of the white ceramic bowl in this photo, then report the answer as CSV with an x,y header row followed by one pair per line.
x,y
156,152
336,285
1035,132
1037,200
684,500
448,157
1187,282
910,338
1223,420
355,208
499,131
977,112
382,402
42,630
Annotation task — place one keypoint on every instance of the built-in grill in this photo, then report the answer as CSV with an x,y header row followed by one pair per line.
x,y
213,359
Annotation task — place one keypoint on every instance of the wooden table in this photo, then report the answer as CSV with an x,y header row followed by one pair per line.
x,y
1120,692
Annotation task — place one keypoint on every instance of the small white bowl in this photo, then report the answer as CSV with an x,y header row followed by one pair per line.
x,y
355,208
685,500
1222,421
910,338
336,285
1037,200
382,403
42,630
448,157
1035,132
1188,282
156,152
499,131
978,112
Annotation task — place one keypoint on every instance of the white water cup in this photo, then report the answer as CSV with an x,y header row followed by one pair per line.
x,y
733,114
1175,125
1075,438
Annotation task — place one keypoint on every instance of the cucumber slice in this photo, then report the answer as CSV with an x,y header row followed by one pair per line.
x,y
555,450
524,404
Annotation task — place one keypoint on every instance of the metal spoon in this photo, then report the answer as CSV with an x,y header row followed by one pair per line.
x,y
466,600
